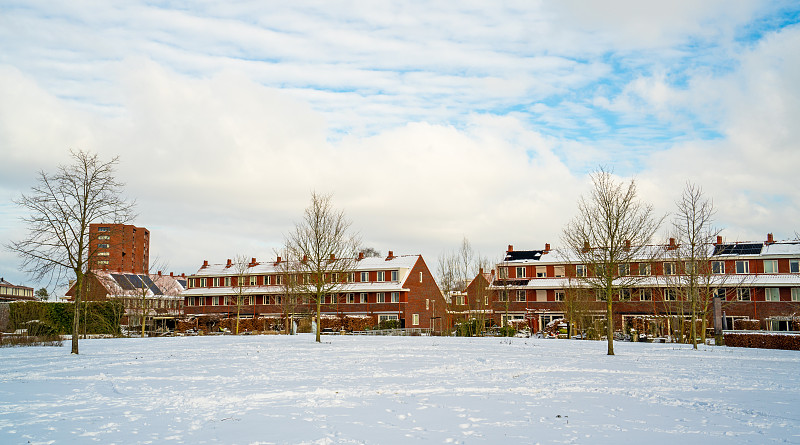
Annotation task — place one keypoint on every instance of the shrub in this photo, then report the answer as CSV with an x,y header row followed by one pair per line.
x,y
746,325
764,341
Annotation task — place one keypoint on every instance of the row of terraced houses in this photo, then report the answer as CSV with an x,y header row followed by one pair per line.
x,y
755,280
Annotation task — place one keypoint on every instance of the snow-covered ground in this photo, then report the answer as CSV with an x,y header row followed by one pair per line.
x,y
396,390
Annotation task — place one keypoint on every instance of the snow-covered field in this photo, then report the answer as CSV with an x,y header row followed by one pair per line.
x,y
393,390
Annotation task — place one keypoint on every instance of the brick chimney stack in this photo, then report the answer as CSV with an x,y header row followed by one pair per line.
x,y
510,248
360,256
205,264
390,256
230,263
719,239
770,239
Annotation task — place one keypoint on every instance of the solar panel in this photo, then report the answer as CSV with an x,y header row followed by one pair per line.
x,y
123,282
135,281
523,255
737,249
151,285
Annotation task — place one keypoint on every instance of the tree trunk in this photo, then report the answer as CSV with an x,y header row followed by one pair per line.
x,y
77,313
610,322
319,319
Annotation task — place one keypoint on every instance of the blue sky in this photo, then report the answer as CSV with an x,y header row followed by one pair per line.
x,y
427,121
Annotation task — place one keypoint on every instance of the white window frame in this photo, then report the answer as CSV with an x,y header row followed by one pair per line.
x,y
227,281
351,298
580,270
670,294
395,297
624,269
520,296
794,266
394,275
381,297
103,254
645,294
743,294
670,268
214,301
625,294
253,280
772,294
796,294
559,271
387,317
381,276
363,297
415,319
742,267
364,277
645,269
773,266
502,296
104,237
559,295
519,269
718,267
202,282
541,271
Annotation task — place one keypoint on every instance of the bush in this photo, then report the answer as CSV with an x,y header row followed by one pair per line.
x,y
389,324
97,317
746,325
764,341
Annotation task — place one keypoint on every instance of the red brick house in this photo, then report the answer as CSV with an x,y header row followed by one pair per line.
x,y
756,280
392,288
120,247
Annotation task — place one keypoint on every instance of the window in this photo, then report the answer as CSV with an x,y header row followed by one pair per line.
x,y
202,282
351,277
427,304
364,277
520,295
669,268
215,281
624,270
335,278
718,267
541,271
102,246
395,297
794,266
102,253
670,295
214,301
253,280
503,295
103,229
503,272
381,275
415,319
249,300
559,295
624,294
386,317
520,272
743,294
351,298
227,301
228,281
720,292
600,270
103,237
690,267
279,280
770,266
599,295
103,262
645,294
381,297
558,271
363,297
190,301
644,269
420,277
394,275
580,270
743,267
772,294
796,294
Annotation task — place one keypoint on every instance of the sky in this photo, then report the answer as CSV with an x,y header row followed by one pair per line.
x,y
427,121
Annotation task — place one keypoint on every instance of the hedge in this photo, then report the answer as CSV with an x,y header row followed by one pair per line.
x,y
97,317
761,340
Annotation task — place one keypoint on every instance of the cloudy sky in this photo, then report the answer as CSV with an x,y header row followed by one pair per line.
x,y
427,121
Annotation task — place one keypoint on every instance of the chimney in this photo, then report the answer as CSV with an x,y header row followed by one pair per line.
x,y
360,256
672,245
390,256
719,239
510,248
546,247
171,274
278,261
586,246
253,262
770,239
627,245
159,273
230,263
183,275
305,258
205,264
332,258
480,270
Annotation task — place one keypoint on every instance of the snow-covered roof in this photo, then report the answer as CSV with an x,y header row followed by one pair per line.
x,y
383,286
269,267
121,284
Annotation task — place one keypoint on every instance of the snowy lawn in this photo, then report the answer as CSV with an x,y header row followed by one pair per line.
x,y
393,390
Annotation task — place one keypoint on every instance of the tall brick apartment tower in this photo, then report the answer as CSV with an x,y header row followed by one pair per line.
x,y
119,247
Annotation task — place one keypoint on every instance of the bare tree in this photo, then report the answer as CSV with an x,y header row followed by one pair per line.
x,y
289,294
240,266
370,252
611,230
62,205
324,249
